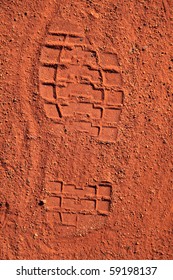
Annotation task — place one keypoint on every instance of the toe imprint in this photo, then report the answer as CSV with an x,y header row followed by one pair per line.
x,y
81,86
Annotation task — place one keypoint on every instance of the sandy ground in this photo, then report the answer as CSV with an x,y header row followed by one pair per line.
x,y
86,129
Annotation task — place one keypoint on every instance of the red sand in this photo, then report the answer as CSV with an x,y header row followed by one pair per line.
x,y
86,129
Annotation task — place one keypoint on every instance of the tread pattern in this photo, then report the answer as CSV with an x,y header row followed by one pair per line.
x,y
70,205
81,87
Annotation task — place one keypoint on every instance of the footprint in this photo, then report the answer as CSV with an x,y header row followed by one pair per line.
x,y
82,92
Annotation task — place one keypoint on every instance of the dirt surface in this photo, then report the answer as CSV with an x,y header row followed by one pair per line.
x,y
86,129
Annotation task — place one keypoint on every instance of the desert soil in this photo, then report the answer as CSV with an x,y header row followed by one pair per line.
x,y
86,156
